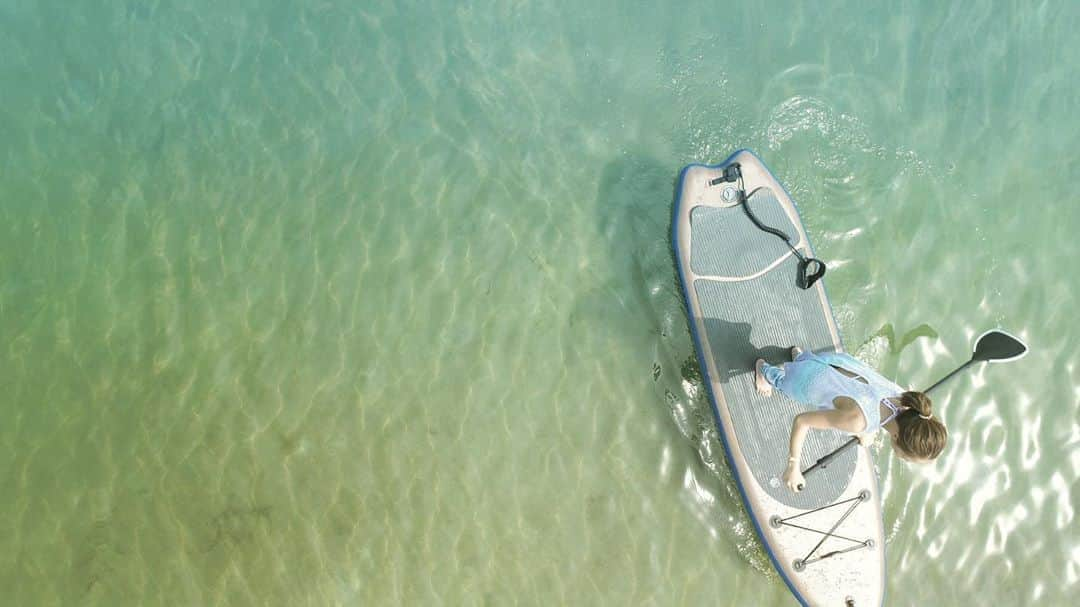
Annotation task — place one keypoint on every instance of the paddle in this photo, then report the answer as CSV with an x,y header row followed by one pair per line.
x,y
994,346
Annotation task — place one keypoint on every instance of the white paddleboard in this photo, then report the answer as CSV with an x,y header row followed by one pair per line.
x,y
827,541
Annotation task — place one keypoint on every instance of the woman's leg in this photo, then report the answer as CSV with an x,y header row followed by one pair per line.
x,y
794,378
773,374
762,385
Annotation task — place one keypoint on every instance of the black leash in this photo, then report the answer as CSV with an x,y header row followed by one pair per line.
x,y
810,269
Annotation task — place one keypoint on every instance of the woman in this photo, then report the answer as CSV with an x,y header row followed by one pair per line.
x,y
851,397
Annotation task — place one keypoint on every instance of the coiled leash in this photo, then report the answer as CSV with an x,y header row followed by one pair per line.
x,y
810,269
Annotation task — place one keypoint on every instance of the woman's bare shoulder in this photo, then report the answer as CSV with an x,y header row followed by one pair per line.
x,y
852,418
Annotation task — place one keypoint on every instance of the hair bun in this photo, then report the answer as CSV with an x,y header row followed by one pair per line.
x,y
924,438
919,403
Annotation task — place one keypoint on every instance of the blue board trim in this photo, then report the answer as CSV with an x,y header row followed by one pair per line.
x,y
705,369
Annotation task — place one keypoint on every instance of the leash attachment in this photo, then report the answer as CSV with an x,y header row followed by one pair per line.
x,y
810,270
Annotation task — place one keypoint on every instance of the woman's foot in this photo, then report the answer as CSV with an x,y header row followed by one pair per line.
x,y
763,386
795,352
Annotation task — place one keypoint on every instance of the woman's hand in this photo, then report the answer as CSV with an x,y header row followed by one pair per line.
x,y
793,478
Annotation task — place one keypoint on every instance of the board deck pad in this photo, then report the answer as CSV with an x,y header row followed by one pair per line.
x,y
743,304
761,318
733,246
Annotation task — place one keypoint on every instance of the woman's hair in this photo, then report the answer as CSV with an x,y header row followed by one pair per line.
x,y
920,433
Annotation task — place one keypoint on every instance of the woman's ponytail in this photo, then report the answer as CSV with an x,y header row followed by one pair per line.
x,y
919,403
920,434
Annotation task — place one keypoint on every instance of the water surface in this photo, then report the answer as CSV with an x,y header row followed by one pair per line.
x,y
373,304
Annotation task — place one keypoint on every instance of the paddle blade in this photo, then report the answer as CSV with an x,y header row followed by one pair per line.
x,y
997,347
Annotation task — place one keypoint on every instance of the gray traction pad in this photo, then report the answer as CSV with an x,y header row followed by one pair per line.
x,y
742,250
762,318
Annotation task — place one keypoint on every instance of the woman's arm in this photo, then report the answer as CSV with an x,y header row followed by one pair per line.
x,y
845,418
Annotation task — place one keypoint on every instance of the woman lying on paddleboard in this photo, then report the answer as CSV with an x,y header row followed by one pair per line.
x,y
854,398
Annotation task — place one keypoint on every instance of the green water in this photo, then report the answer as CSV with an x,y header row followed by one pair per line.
x,y
369,303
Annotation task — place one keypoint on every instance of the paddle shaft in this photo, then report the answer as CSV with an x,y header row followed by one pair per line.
x,y
824,461
949,376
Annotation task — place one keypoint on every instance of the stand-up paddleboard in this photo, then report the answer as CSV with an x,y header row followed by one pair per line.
x,y
744,303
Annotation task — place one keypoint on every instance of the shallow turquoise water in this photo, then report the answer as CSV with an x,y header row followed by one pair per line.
x,y
373,303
